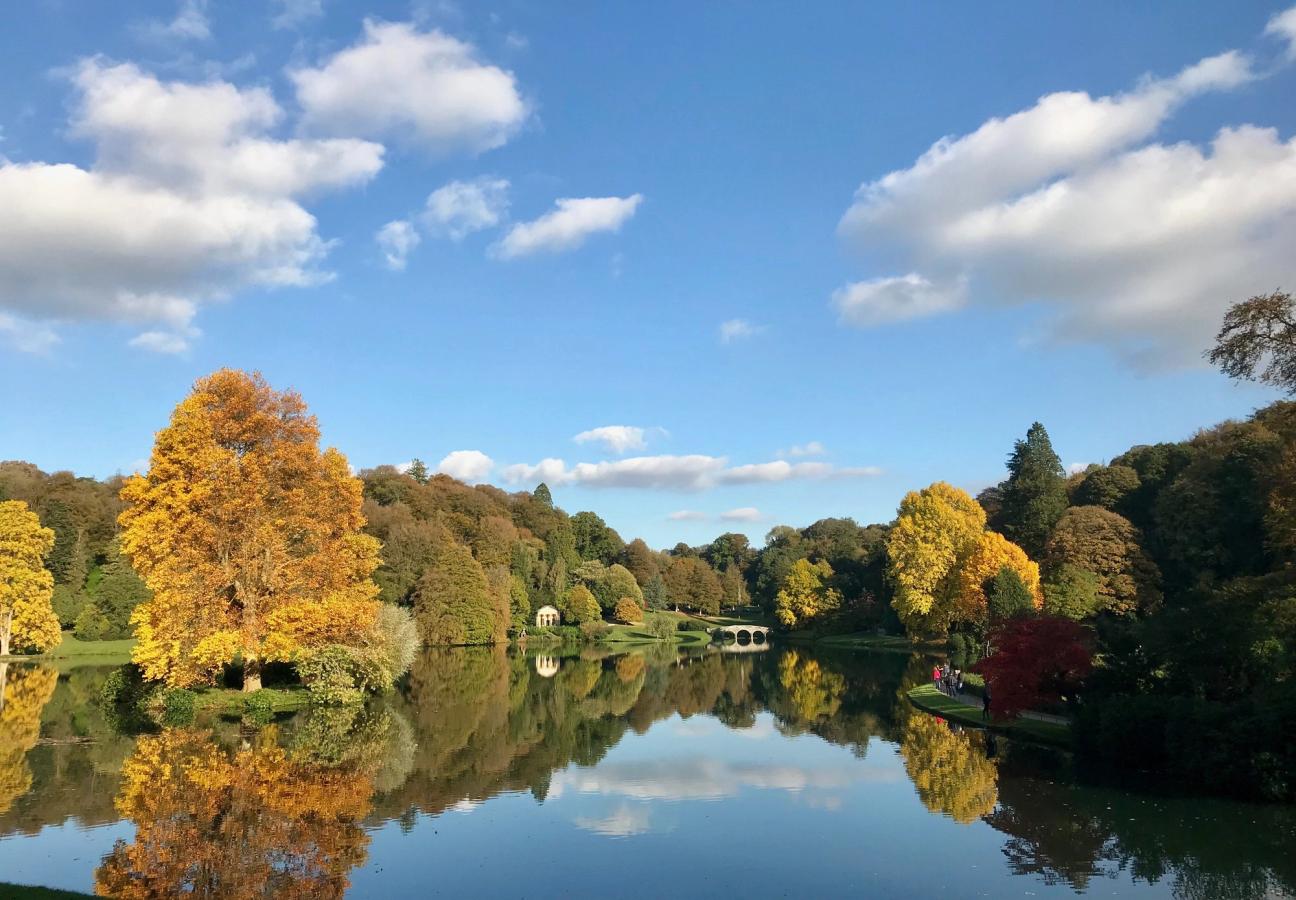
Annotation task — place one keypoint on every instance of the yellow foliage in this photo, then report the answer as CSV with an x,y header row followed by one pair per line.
x,y
803,596
993,552
246,533
27,620
812,691
24,691
936,530
949,769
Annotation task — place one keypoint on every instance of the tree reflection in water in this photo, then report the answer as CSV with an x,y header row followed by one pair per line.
x,y
270,818
281,812
949,768
24,691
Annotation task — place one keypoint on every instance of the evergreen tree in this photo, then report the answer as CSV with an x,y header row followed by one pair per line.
x,y
119,591
542,496
66,561
1034,496
1009,596
418,471
654,593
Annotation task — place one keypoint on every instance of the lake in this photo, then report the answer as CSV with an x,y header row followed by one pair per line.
x,y
790,772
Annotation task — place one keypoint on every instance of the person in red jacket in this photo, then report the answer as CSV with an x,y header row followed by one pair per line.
x,y
936,676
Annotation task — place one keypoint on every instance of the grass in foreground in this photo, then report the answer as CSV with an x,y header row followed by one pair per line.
x,y
927,698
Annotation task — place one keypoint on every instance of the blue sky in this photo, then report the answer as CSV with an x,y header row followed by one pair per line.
x,y
765,261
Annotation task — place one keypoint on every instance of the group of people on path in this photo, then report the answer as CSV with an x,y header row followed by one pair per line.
x,y
949,680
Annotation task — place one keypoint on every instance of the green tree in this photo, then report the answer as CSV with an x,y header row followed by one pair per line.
x,y
729,549
542,496
655,597
118,592
452,601
594,539
619,583
66,562
1108,487
418,470
579,606
1034,496
783,546
1009,596
1257,341
1072,592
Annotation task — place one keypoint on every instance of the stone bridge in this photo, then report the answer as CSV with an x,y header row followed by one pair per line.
x,y
753,634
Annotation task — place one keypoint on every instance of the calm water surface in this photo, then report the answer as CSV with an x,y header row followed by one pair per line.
x,y
782,773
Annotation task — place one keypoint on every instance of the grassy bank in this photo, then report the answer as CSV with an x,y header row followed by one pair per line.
x,y
71,653
695,634
927,698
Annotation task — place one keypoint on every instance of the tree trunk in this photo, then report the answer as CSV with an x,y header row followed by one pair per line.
x,y
251,674
4,676
6,626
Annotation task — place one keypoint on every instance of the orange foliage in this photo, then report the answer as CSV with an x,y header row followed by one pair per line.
x,y
246,533
256,823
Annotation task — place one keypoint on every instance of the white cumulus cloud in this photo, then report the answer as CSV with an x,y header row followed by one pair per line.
x,y
617,438
396,240
1283,25
568,225
882,300
1133,244
425,87
470,466
189,200
742,514
458,209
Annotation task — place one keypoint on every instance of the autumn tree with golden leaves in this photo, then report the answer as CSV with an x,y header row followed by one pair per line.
x,y
27,620
936,531
993,553
247,535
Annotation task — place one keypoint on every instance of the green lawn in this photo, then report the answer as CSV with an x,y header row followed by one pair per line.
x,y
230,700
72,653
926,697
639,634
